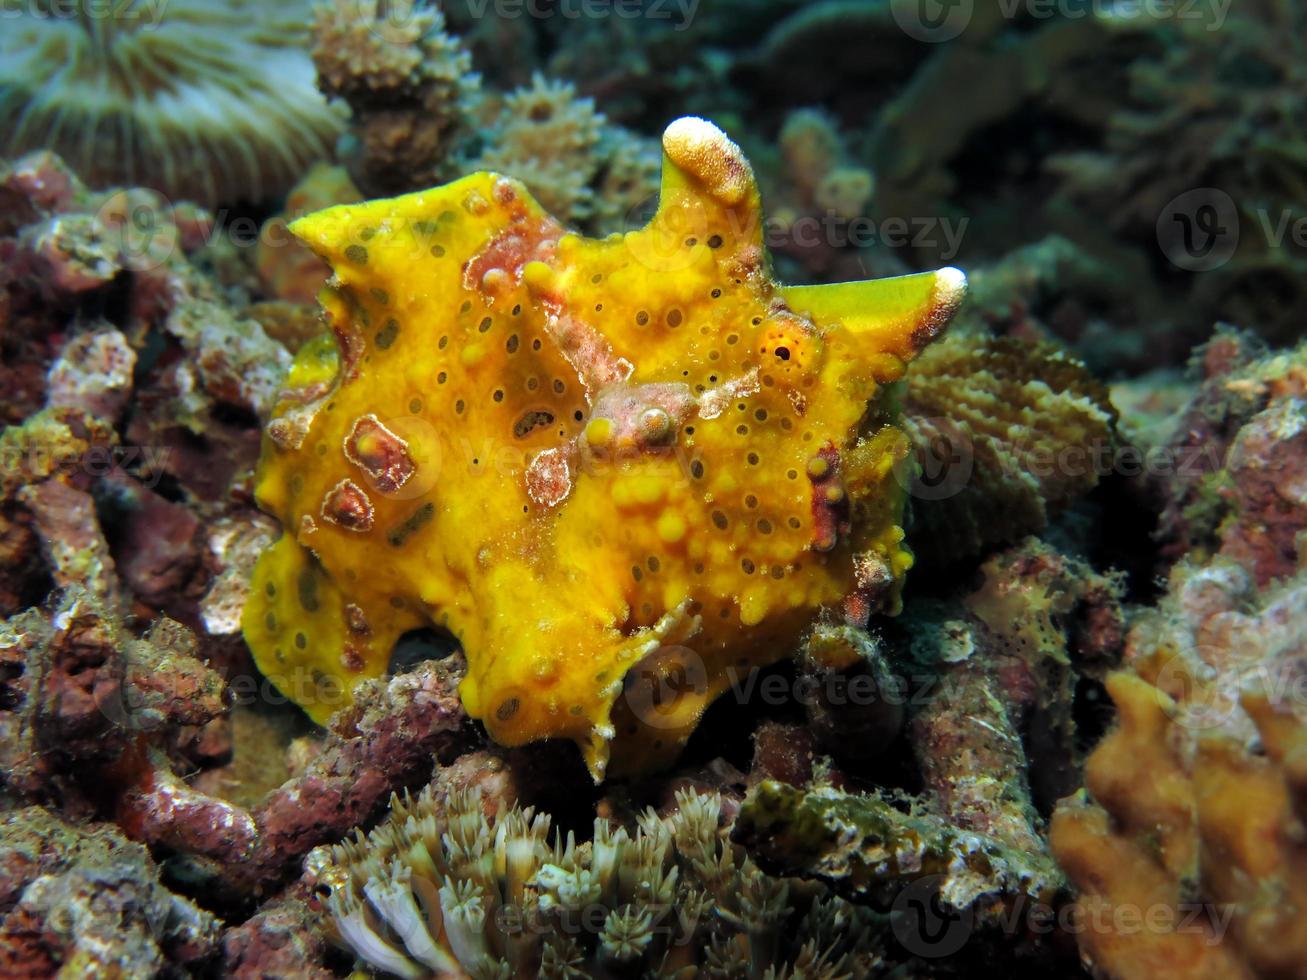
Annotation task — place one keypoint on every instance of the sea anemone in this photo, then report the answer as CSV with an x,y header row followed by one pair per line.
x,y
199,99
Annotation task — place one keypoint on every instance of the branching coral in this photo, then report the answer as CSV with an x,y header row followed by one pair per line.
x,y
211,101
1196,825
579,167
408,83
816,166
1211,107
439,889
818,191
1006,433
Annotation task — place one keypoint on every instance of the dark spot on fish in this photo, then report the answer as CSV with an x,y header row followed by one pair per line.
x,y
531,421
387,334
308,589
411,525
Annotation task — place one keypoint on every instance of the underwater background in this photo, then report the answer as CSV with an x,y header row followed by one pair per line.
x,y
653,488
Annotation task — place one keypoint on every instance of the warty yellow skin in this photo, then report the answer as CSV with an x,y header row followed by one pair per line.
x,y
621,472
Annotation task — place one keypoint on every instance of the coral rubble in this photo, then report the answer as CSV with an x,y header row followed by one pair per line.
x,y
868,849
86,902
1236,483
82,691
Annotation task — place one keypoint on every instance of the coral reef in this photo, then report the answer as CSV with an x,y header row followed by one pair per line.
x,y
439,888
203,100
389,740
666,504
867,848
1196,812
818,194
82,695
1006,434
407,84
419,117
1211,109
582,170
44,490
1235,485
853,713
88,698
707,453
86,902
148,373
817,169
79,247
1012,658
282,939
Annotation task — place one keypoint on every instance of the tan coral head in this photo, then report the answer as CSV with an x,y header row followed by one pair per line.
x,y
623,472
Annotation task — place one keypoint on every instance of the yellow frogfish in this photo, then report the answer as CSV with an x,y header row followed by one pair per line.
x,y
621,472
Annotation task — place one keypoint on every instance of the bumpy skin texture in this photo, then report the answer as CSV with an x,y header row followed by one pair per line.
x,y
581,455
